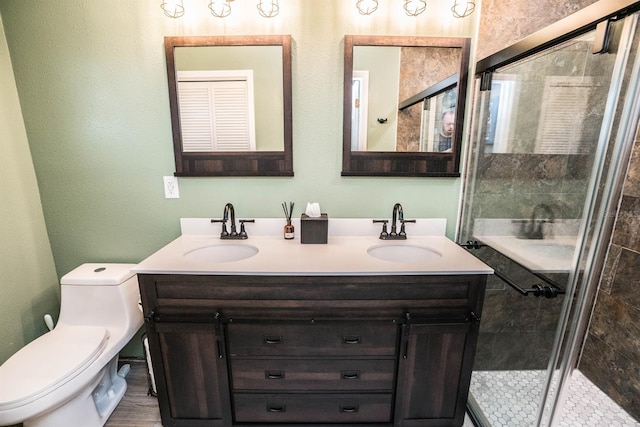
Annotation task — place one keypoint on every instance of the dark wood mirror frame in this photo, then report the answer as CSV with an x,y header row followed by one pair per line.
x,y
415,164
255,163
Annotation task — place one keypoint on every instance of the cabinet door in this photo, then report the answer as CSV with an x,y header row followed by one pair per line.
x,y
191,374
434,374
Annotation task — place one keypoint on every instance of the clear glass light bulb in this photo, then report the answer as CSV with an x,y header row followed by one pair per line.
x,y
367,7
415,7
220,8
268,8
462,8
172,8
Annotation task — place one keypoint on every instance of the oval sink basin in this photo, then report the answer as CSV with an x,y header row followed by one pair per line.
x,y
221,253
403,253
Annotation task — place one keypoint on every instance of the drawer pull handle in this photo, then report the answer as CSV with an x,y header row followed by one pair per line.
x,y
350,375
351,339
272,340
276,408
274,375
349,409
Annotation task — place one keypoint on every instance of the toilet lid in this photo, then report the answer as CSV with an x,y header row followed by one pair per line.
x,y
48,362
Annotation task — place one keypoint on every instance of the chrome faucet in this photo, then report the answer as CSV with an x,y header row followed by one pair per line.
x,y
229,213
397,215
533,229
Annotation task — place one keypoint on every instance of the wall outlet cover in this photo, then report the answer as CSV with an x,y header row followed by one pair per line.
x,y
171,187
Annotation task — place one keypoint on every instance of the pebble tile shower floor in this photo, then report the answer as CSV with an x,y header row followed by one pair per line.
x,y
505,396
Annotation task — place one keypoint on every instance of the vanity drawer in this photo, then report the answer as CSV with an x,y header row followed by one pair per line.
x,y
312,339
312,374
321,408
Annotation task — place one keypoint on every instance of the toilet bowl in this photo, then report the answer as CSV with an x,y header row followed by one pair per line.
x,y
69,376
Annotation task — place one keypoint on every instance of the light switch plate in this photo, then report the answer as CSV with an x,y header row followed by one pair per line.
x,y
171,187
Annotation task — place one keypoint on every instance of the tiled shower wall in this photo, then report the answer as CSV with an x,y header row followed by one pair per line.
x,y
611,354
503,23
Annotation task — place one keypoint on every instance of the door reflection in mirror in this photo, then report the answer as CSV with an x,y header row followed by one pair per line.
x,y
360,102
239,110
217,111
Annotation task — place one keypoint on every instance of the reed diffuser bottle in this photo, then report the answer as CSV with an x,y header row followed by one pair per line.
x,y
289,230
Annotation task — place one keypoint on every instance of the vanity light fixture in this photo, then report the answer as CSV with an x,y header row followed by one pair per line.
x,y
414,7
220,8
172,8
367,7
268,8
462,8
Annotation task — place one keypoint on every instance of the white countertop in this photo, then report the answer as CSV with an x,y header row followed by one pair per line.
x,y
342,255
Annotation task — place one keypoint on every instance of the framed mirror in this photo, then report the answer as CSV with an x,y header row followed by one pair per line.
x,y
230,99
404,100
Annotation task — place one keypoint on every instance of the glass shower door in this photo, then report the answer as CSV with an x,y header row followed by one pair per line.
x,y
541,147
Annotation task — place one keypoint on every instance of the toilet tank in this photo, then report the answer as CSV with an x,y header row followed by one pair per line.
x,y
100,294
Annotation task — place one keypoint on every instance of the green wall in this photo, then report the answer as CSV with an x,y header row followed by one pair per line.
x,y
28,281
92,84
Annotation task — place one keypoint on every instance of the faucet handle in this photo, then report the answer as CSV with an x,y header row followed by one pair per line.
x,y
243,232
403,221
383,234
224,231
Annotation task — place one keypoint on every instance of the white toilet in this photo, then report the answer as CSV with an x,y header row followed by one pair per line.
x,y
69,376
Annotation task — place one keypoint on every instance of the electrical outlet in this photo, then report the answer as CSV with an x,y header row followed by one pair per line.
x,y
171,187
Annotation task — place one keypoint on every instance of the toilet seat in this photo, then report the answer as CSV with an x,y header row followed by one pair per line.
x,y
48,362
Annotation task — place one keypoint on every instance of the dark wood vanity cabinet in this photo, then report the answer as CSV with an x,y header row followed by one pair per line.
x,y
328,350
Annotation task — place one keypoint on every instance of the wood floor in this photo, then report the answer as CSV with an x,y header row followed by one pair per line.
x,y
136,409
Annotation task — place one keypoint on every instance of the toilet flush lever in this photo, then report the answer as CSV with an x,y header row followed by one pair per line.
x,y
48,320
